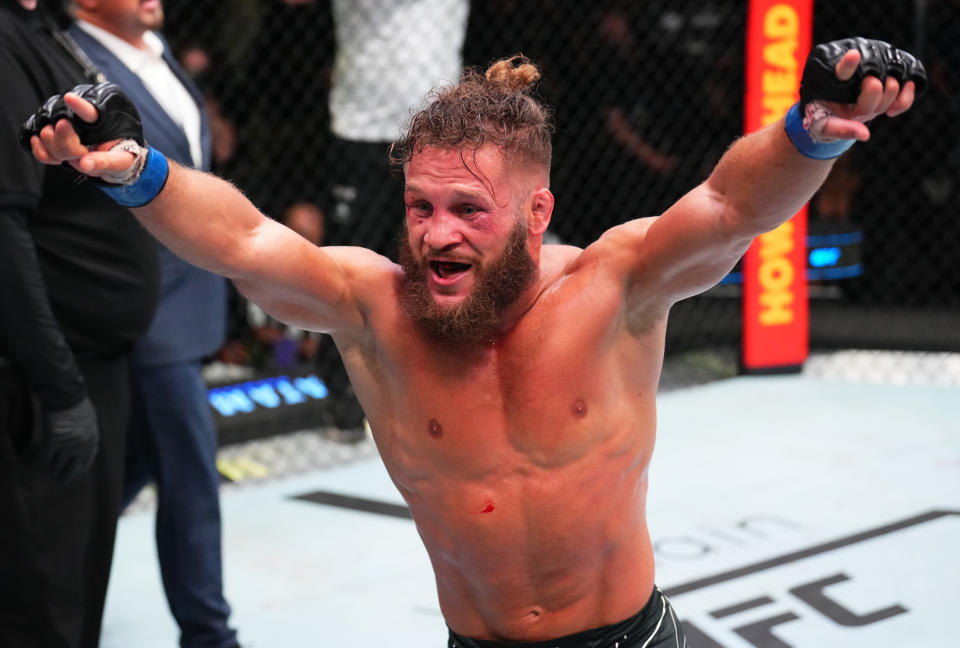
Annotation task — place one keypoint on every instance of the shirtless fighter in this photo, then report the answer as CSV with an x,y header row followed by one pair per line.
x,y
510,385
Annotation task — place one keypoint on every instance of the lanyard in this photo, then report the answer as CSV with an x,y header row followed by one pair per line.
x,y
66,41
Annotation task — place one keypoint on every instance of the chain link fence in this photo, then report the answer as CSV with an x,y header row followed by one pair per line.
x,y
647,96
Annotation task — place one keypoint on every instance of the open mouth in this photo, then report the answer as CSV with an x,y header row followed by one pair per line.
x,y
448,269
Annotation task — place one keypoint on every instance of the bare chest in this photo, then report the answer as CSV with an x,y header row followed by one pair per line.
x,y
533,402
566,382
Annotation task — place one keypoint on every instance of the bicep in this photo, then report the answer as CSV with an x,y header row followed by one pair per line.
x,y
298,283
686,250
209,223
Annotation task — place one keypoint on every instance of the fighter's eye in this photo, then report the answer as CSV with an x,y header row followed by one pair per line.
x,y
419,207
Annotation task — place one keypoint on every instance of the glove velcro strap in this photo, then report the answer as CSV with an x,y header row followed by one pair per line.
x,y
150,183
793,125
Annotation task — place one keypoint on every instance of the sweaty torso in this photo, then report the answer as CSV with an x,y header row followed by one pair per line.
x,y
525,462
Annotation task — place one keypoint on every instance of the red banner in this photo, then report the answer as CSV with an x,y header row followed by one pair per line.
x,y
775,307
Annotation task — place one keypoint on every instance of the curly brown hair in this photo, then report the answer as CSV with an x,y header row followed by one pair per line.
x,y
493,108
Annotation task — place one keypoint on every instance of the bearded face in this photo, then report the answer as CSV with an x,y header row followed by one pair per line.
x,y
499,283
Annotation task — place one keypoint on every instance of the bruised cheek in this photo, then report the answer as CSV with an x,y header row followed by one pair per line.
x,y
413,235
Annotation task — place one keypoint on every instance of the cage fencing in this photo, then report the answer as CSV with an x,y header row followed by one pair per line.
x,y
646,95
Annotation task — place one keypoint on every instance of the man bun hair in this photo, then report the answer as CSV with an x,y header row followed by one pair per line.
x,y
513,74
497,108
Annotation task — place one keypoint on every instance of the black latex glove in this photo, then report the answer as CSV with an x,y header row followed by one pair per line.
x,y
72,437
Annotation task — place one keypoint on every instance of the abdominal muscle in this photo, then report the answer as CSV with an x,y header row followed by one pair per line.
x,y
528,552
524,462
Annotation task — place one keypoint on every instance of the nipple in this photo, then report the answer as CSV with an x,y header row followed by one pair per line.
x,y
436,431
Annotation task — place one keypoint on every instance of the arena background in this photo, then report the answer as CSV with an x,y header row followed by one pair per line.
x,y
670,73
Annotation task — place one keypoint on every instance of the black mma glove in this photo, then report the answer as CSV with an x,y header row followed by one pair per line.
x,y
877,58
805,121
118,118
71,439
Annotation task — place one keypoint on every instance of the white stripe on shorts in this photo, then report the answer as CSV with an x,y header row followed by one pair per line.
x,y
653,634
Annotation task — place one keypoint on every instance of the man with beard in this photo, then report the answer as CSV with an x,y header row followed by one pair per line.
x,y
475,319
521,435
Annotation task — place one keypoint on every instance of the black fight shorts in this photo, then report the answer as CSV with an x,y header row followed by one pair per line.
x,y
655,626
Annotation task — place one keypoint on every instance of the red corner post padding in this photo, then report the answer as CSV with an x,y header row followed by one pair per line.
x,y
775,306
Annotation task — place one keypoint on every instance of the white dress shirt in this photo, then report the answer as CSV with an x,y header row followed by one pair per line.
x,y
159,79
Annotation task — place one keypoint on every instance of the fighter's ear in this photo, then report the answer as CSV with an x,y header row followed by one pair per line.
x,y
541,209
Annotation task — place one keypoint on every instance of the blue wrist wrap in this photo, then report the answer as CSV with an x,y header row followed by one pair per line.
x,y
147,186
793,125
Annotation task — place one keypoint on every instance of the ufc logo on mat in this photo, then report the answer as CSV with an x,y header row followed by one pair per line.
x,y
813,595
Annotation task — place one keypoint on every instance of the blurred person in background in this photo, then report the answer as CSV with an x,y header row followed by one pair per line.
x,y
634,144
626,154
306,219
387,59
172,441
79,288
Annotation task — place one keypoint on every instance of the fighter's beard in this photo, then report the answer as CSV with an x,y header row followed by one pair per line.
x,y
475,320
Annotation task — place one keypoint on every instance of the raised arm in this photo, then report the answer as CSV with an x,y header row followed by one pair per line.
x,y
766,177
201,218
211,224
